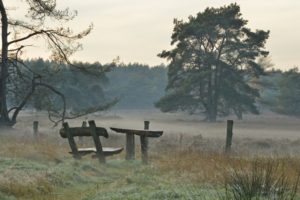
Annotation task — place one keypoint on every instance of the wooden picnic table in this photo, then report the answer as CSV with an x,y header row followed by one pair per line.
x,y
130,142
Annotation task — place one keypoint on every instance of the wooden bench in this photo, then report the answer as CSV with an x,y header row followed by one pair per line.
x,y
130,142
95,132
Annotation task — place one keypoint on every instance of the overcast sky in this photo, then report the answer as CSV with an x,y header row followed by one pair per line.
x,y
137,30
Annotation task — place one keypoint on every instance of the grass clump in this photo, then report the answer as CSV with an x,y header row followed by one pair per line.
x,y
266,179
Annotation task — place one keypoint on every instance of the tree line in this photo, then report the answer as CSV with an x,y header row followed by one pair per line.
x,y
140,86
129,86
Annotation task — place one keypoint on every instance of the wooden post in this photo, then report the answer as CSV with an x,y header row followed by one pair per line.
x,y
130,146
97,142
229,135
144,144
71,141
35,129
80,138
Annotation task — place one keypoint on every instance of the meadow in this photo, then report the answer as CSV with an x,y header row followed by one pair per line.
x,y
188,162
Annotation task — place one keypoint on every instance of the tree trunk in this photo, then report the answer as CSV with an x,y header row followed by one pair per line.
x,y
216,92
4,118
210,103
212,114
216,83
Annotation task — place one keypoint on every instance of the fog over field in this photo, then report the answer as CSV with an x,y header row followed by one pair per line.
x,y
268,133
267,125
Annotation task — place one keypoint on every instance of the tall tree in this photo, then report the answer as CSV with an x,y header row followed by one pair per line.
x,y
17,34
214,56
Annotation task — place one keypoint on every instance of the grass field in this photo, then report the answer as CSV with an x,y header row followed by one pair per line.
x,y
186,163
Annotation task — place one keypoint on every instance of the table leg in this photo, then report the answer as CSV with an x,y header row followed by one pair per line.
x,y
130,146
144,149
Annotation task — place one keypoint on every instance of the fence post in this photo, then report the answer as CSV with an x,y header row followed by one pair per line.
x,y
229,135
144,144
35,129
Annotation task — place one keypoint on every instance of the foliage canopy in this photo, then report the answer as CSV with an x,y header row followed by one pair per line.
x,y
214,57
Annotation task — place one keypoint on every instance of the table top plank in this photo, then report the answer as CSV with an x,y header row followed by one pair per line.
x,y
147,133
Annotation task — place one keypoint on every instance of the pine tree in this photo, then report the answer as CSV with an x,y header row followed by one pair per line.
x,y
215,55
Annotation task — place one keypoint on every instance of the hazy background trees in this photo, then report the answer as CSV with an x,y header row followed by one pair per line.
x,y
280,91
135,86
83,92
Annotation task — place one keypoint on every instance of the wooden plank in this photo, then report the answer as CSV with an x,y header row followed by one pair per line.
x,y
229,135
71,141
80,139
130,146
144,144
145,133
97,142
83,131
107,151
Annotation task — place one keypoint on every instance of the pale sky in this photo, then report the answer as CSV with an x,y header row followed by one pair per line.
x,y
137,30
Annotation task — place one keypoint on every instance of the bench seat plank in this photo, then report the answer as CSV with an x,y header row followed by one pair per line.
x,y
107,151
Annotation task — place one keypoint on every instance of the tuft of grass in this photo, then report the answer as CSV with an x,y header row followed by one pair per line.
x,y
266,179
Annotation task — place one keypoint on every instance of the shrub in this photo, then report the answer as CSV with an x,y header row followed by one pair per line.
x,y
261,179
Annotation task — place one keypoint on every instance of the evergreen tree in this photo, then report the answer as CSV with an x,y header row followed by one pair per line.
x,y
215,55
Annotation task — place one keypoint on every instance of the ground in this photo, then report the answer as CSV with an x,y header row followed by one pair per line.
x,y
186,163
